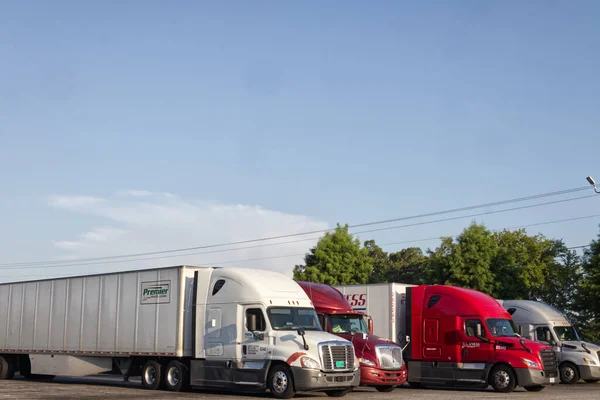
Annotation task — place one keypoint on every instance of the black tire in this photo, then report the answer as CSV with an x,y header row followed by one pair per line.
x,y
280,382
569,374
7,368
503,379
536,388
592,380
176,376
337,393
152,377
385,389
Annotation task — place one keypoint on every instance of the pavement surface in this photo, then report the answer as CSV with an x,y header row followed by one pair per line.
x,y
103,387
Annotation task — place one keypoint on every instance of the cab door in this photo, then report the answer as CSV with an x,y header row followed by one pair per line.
x,y
254,346
476,349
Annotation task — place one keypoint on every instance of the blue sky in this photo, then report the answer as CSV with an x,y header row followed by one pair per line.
x,y
318,112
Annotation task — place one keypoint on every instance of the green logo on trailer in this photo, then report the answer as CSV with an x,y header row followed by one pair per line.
x,y
156,292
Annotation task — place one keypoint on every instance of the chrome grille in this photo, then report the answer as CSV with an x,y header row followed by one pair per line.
x,y
389,357
337,356
549,362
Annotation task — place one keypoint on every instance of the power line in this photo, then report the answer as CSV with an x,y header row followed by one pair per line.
x,y
520,199
77,264
509,228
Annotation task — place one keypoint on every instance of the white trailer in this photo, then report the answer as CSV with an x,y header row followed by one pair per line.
x,y
383,302
176,327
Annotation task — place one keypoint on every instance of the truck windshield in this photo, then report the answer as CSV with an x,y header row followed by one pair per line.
x,y
347,324
501,327
566,333
292,318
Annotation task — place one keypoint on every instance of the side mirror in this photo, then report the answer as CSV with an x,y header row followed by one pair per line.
x,y
252,323
520,330
478,331
370,325
548,337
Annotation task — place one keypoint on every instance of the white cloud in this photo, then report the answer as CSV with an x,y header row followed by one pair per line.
x,y
143,221
75,202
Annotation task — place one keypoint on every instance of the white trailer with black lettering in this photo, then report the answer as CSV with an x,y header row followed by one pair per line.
x,y
383,302
176,327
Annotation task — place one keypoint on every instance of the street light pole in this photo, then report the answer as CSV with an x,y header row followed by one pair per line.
x,y
593,183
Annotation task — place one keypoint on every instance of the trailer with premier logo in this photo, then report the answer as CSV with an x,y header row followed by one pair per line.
x,y
176,327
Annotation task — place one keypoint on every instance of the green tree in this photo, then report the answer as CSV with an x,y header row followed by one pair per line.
x,y
587,301
380,261
408,266
465,263
337,259
561,281
521,264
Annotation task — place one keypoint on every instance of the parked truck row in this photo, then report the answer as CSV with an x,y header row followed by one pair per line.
x,y
188,327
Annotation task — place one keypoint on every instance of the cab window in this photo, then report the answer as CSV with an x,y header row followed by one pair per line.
x,y
540,333
471,328
261,324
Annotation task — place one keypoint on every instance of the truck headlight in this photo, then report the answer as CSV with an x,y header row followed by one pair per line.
x,y
308,362
529,363
589,362
366,361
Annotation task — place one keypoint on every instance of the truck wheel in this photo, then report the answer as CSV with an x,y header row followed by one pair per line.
x,y
385,389
280,382
152,375
536,388
569,375
7,369
337,393
503,379
176,376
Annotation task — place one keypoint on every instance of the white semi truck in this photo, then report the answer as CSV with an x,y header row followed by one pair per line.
x,y
176,327
543,323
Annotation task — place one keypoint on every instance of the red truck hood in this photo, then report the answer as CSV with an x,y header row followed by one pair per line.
x,y
366,346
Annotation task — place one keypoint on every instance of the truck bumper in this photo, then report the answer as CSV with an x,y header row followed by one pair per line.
x,y
534,377
370,376
587,372
314,380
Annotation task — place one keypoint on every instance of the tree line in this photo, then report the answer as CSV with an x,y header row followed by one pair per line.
x,y
507,264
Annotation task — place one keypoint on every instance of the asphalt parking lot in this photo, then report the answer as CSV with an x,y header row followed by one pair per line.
x,y
103,387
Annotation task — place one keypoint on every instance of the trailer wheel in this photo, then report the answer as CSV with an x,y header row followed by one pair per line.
x,y
503,379
7,369
385,389
569,374
280,382
152,375
176,376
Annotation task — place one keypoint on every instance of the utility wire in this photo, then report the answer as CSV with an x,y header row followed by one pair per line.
x,y
509,228
520,199
288,242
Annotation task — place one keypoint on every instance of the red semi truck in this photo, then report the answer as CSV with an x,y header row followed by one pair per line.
x,y
454,335
381,364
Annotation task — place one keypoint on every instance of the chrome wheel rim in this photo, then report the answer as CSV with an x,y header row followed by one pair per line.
x,y
150,375
280,382
173,376
502,379
568,374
